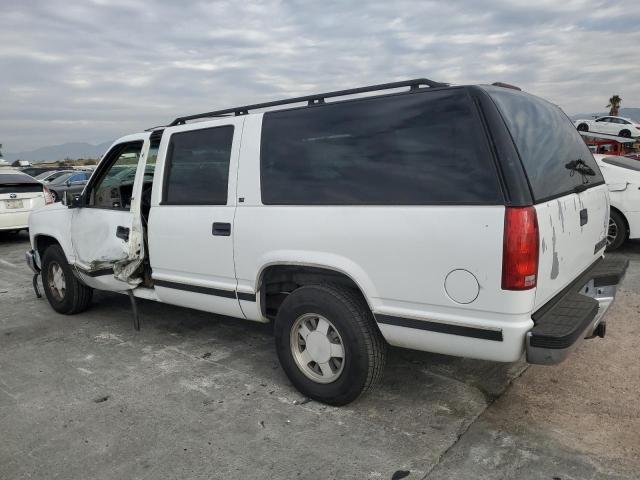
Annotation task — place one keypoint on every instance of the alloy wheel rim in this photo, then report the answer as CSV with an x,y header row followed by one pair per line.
x,y
57,281
317,348
612,232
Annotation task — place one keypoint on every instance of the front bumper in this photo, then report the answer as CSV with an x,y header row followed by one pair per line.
x,y
33,260
575,313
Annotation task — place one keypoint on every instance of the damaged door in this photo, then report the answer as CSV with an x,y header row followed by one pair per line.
x,y
106,230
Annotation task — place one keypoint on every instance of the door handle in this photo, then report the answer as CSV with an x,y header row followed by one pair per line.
x,y
221,229
123,233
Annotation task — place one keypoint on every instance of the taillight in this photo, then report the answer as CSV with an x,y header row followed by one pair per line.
x,y
48,197
520,249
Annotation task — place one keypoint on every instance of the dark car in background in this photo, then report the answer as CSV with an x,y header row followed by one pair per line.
x,y
72,182
50,176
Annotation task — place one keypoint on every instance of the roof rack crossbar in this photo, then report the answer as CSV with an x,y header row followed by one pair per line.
x,y
318,98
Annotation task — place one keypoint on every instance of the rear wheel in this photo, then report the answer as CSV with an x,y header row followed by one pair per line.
x,y
624,133
328,343
583,127
65,292
617,232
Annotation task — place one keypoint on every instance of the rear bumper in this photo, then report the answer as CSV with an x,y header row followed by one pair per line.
x,y
575,313
14,220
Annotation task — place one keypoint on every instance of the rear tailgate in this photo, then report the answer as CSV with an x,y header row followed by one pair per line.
x,y
572,231
567,187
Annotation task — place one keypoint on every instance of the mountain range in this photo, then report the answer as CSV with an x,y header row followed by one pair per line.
x,y
73,150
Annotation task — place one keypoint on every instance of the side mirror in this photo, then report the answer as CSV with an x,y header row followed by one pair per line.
x,y
71,200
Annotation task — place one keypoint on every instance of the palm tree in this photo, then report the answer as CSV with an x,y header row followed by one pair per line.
x,y
614,105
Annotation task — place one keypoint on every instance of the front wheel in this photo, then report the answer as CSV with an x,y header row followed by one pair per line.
x,y
66,294
328,343
617,232
583,127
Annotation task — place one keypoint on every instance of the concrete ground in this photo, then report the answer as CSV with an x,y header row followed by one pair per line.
x,y
198,396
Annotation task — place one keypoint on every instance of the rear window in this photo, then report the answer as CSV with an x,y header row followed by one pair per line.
x,y
412,149
18,183
547,141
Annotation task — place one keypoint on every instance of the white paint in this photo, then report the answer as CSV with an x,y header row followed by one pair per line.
x,y
624,192
566,248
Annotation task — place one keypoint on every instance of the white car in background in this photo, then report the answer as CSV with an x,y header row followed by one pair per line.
x,y
622,176
19,195
618,126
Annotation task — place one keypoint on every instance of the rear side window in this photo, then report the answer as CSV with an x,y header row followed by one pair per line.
x,y
412,149
198,167
547,142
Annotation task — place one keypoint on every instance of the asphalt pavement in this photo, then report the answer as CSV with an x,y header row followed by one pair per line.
x,y
194,395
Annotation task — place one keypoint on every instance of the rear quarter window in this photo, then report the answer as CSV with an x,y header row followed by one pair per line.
x,y
411,149
546,141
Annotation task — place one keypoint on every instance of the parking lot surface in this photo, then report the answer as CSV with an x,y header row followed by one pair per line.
x,y
194,395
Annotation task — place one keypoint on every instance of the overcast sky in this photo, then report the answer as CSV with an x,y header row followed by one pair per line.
x,y
95,70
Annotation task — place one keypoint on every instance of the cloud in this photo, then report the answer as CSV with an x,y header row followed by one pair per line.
x,y
93,71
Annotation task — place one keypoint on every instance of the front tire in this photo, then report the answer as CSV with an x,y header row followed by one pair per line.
x,y
328,343
617,232
66,294
583,127
624,133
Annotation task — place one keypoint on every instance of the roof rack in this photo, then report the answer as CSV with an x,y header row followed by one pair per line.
x,y
312,99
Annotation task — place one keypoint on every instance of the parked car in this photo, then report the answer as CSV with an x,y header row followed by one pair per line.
x,y
72,182
450,219
618,126
34,171
622,175
48,177
20,194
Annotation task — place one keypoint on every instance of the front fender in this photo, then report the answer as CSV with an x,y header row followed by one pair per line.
x,y
52,221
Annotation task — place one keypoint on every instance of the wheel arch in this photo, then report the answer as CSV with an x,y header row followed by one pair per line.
x,y
624,218
279,278
42,241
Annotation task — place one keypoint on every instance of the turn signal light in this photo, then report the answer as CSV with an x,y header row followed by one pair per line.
x,y
520,249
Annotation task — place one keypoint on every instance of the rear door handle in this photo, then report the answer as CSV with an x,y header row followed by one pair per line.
x,y
221,229
123,233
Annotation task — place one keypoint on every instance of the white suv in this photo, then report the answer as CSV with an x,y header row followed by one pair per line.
x,y
463,220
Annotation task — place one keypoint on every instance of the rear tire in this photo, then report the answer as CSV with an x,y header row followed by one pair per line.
x,y
583,127
349,330
617,232
624,133
66,294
